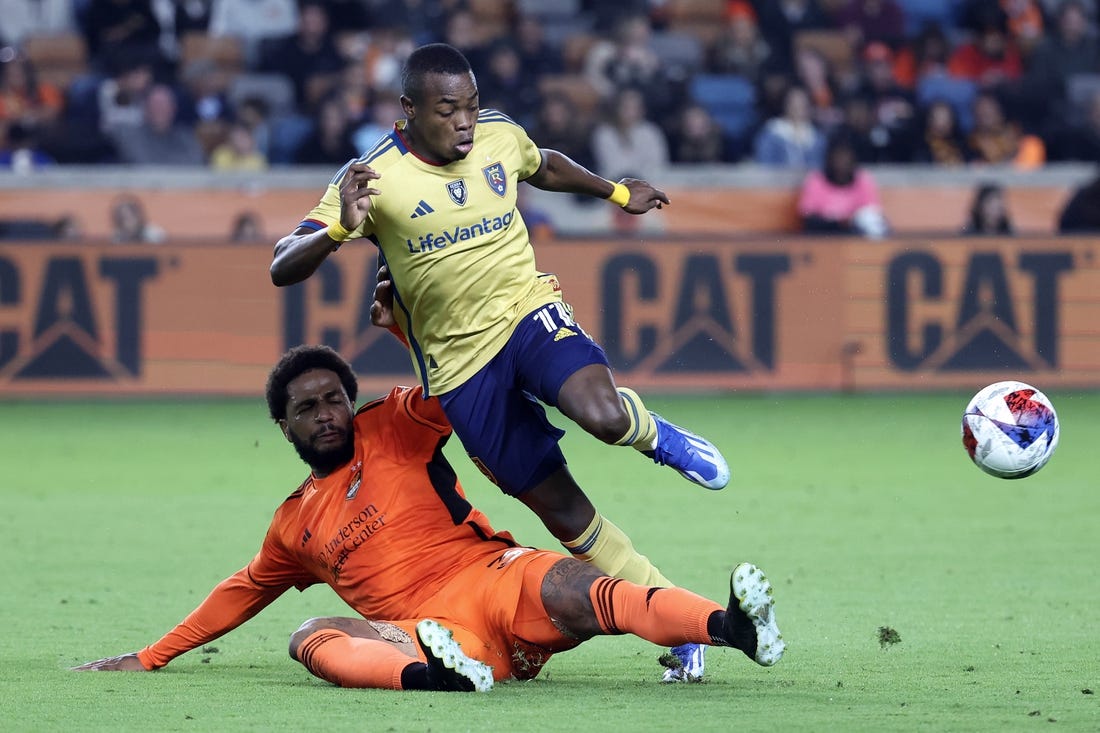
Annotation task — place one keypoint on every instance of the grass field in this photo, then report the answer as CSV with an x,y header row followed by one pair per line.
x,y
864,512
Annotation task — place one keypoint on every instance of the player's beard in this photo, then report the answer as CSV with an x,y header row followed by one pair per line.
x,y
324,462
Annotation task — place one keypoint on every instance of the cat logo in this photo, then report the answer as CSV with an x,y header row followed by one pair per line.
x,y
707,329
73,316
988,324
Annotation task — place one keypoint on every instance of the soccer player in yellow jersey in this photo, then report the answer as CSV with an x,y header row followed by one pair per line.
x,y
488,333
383,521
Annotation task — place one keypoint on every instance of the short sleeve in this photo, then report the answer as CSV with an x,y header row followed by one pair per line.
x,y
274,567
327,210
530,157
418,425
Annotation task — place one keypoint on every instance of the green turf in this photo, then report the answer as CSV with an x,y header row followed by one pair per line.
x,y
864,511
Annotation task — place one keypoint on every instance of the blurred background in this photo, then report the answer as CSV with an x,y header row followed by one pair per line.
x,y
867,194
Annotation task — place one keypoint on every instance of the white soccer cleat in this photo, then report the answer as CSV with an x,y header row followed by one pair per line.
x,y
448,668
750,618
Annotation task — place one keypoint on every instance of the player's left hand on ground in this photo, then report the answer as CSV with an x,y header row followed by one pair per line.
x,y
121,663
381,310
643,196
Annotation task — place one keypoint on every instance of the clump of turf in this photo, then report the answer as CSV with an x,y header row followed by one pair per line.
x,y
888,636
670,661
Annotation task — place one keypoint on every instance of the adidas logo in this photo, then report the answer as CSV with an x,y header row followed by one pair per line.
x,y
422,209
563,333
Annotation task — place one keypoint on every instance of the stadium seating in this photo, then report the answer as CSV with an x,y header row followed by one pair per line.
x,y
730,99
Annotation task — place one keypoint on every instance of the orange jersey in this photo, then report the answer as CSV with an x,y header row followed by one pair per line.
x,y
387,531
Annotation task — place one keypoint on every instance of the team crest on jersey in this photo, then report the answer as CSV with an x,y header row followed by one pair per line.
x,y
494,176
353,487
457,191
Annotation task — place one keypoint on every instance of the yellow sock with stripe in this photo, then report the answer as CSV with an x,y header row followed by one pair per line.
x,y
642,434
605,546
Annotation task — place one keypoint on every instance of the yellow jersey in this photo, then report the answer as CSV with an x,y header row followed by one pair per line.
x,y
456,246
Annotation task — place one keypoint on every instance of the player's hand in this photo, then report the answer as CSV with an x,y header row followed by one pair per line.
x,y
643,196
355,194
121,663
381,310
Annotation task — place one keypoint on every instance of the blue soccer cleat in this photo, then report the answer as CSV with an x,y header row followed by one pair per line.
x,y
695,458
690,659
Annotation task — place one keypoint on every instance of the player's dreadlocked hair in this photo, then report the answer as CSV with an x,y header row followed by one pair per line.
x,y
434,58
296,362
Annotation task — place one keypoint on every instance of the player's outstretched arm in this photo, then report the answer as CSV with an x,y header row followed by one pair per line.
x,y
558,172
122,663
232,602
300,253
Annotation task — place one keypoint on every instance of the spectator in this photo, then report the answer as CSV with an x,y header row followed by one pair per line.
x,y
1081,214
24,98
869,140
559,126
698,137
626,61
812,70
461,30
20,152
247,229
791,141
988,213
942,142
331,142
25,18
239,152
627,145
253,112
842,198
893,107
996,140
1025,23
866,21
121,97
125,28
160,139
308,58
782,20
740,49
928,53
383,113
254,22
206,84
1081,140
539,224
1071,50
537,57
989,60
504,85
129,223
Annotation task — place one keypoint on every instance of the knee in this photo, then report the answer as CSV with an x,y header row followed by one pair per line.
x,y
605,418
304,631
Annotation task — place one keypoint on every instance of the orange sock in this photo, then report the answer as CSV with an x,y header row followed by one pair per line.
x,y
665,616
348,661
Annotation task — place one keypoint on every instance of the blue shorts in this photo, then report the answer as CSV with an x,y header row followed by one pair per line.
x,y
496,413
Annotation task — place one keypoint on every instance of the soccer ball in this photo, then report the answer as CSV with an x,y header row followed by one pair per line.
x,y
1010,429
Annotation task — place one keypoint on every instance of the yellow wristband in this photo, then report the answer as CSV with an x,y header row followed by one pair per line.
x,y
337,232
620,195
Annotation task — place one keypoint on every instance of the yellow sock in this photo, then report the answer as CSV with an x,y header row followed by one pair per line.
x,y
607,547
643,431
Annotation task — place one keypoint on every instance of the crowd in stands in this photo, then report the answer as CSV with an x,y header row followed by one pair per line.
x,y
625,87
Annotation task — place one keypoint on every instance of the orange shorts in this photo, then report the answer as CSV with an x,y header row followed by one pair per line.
x,y
495,611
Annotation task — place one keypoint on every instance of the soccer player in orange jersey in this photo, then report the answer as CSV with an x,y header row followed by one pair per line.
x,y
444,601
